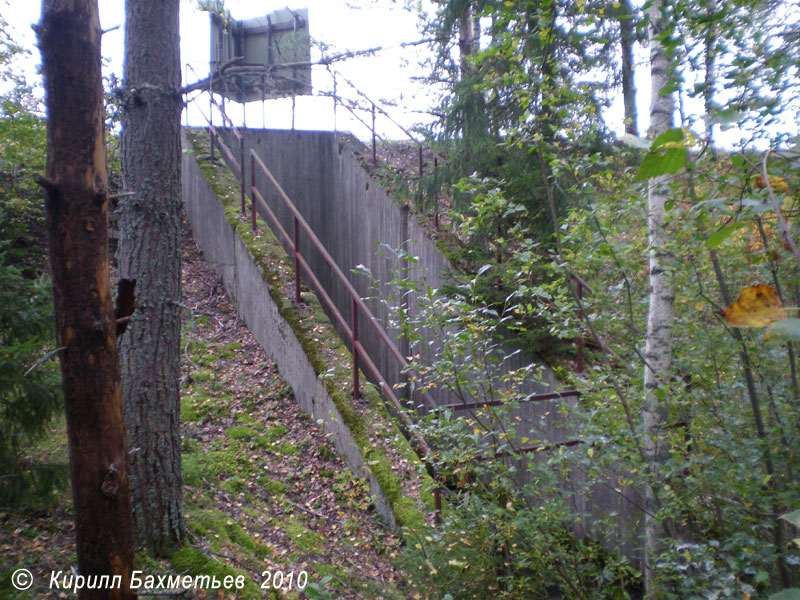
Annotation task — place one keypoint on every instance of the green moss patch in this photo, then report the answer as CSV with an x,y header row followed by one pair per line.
x,y
302,537
193,562
322,345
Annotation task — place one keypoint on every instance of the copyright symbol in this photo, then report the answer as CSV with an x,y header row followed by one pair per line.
x,y
22,579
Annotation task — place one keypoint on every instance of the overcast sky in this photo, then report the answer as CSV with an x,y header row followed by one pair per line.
x,y
340,24
337,23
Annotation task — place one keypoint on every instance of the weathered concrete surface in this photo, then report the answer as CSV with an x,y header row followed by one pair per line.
x,y
354,217
243,280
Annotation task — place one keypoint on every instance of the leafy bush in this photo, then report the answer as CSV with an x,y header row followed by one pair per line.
x,y
29,387
508,529
28,398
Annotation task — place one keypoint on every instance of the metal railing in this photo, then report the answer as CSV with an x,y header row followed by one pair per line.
x,y
302,267
374,109
580,286
358,308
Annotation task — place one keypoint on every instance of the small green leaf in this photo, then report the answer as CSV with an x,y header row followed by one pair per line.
x,y
716,238
635,141
792,517
670,135
728,117
668,89
662,163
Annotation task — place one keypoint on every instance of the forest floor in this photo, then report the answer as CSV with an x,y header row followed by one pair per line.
x,y
265,494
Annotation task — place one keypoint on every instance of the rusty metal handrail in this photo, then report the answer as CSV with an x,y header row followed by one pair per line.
x,y
357,303
356,300
531,398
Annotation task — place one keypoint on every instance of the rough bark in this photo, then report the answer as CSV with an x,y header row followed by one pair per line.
x,y
149,251
76,203
468,35
660,316
468,39
627,38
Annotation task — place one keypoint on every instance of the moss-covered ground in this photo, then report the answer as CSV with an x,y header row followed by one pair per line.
x,y
386,453
264,490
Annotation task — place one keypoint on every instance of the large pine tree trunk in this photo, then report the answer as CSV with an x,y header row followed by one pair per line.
x,y
660,316
76,203
149,251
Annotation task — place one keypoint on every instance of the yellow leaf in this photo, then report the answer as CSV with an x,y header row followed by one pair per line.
x,y
777,183
757,306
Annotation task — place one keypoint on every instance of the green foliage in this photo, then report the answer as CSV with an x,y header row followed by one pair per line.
x,y
727,478
514,269
29,386
496,547
316,590
507,529
667,156
726,482
22,154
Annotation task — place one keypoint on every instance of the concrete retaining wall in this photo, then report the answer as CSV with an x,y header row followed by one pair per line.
x,y
244,281
353,215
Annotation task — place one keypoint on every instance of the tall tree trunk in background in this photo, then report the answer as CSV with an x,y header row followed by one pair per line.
x,y
149,251
710,59
468,39
660,316
627,27
76,203
468,32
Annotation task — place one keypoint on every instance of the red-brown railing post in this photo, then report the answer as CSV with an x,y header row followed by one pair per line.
x,y
241,162
435,193
354,307
211,137
296,261
252,190
374,146
211,122
579,341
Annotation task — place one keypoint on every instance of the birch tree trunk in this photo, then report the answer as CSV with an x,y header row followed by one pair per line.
x,y
149,251
468,40
76,204
660,316
627,27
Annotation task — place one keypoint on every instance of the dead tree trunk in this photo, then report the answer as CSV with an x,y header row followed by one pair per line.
x,y
76,202
149,251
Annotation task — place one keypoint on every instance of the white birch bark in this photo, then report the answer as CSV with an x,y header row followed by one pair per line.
x,y
660,317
